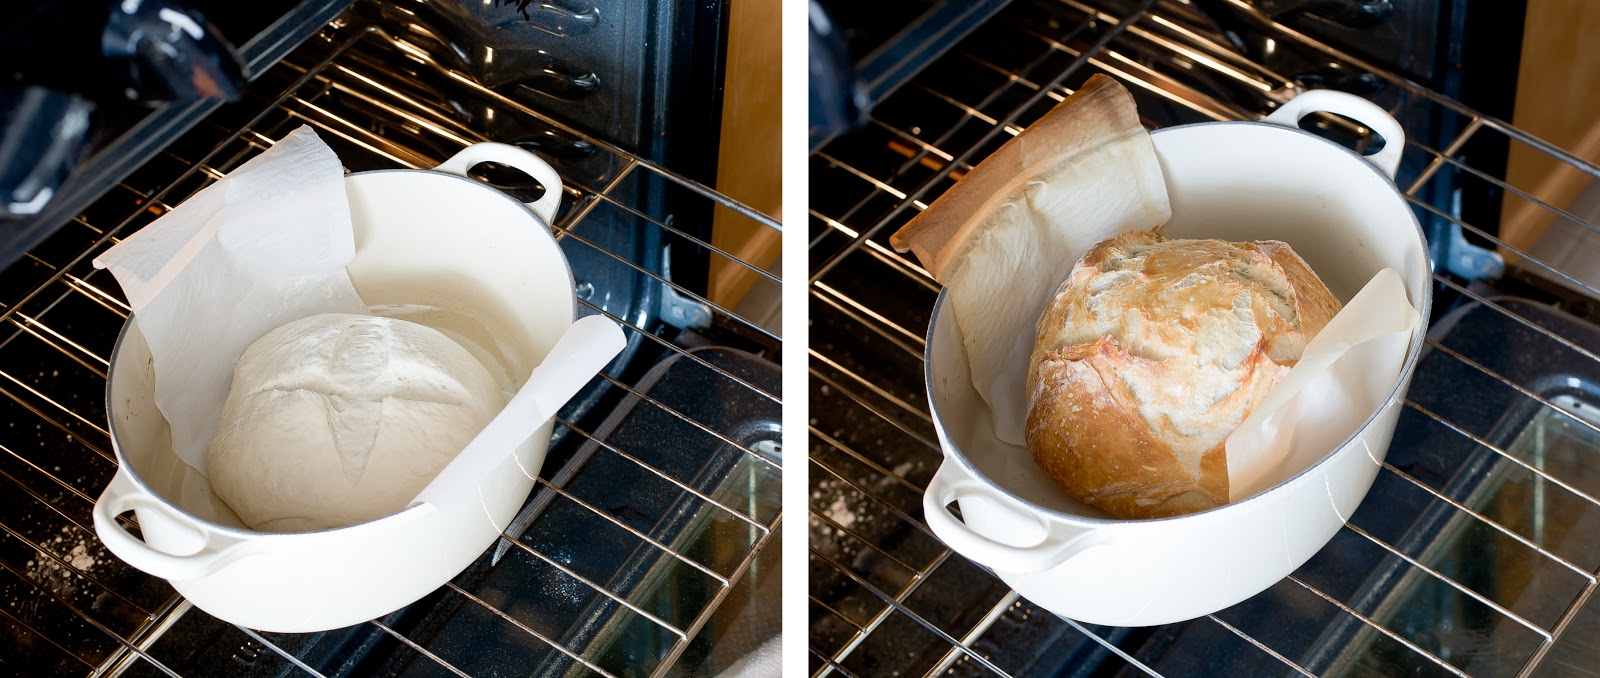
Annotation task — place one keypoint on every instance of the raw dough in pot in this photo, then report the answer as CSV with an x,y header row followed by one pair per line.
x,y
337,419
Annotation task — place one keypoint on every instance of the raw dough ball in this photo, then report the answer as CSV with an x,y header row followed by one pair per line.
x,y
338,419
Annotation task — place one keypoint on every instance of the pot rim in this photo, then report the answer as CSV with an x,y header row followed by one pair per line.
x,y
954,453
116,350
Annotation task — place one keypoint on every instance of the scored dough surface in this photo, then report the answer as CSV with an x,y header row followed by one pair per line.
x,y
337,419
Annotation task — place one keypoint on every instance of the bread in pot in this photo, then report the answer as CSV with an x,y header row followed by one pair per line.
x,y
1151,353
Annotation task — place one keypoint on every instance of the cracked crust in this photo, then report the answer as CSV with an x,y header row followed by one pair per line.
x,y
1151,353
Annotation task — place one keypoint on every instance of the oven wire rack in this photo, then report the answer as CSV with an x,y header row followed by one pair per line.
x,y
70,607
881,599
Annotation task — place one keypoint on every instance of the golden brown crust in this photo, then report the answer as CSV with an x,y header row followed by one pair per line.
x,y
1146,360
1084,432
1317,305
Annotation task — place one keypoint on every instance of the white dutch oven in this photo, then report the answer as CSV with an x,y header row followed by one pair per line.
x,y
1237,181
423,238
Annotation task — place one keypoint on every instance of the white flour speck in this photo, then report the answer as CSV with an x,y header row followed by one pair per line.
x,y
839,512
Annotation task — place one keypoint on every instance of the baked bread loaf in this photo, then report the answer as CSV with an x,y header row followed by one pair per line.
x,y
1151,353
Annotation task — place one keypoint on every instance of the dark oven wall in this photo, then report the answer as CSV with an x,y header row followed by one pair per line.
x,y
646,76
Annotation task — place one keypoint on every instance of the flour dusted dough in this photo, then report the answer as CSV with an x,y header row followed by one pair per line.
x,y
338,419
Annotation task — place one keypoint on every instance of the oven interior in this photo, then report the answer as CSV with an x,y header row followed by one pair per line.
x,y
1476,551
649,545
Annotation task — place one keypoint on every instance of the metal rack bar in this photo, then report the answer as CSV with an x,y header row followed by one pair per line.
x,y
686,418
91,621
866,461
760,272
705,614
1572,612
1502,452
686,182
524,628
1261,646
62,562
659,341
620,600
1440,496
1374,625
897,604
1519,388
971,636
829,663
45,637
660,474
818,514
1462,588
864,382
415,648
281,652
725,581
1113,648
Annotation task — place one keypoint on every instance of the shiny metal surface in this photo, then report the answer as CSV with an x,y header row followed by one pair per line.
x,y
609,571
1434,575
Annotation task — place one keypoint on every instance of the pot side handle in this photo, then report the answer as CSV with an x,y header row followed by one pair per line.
x,y
507,154
1060,543
1350,106
207,551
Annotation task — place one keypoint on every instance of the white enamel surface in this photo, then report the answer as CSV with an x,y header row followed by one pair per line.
x,y
422,238
1237,181
507,154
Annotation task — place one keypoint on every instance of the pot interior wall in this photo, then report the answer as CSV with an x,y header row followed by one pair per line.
x,y
1259,182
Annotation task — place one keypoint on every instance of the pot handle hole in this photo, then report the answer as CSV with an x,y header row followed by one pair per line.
x,y
507,154
192,551
1350,106
1058,545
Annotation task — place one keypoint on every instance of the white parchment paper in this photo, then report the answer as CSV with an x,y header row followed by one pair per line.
x,y
1342,377
264,245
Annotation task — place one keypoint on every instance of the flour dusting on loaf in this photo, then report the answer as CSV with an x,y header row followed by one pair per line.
x,y
337,419
1151,353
